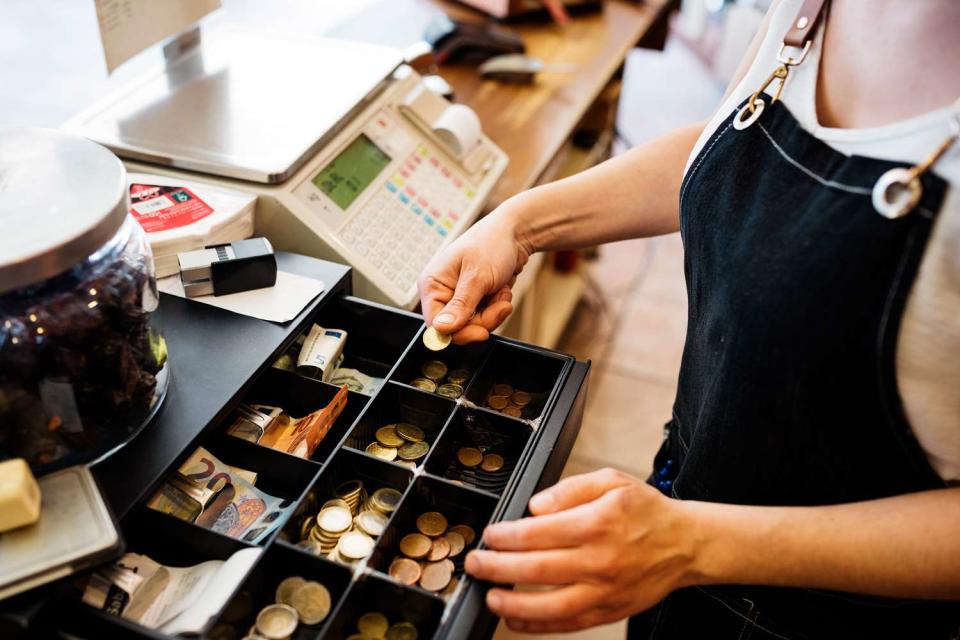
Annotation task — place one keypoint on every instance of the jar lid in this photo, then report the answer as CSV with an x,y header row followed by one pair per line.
x,y
62,197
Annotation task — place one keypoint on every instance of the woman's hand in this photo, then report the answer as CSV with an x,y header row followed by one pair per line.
x,y
465,290
611,544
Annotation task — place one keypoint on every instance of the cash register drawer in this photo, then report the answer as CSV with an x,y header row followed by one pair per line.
x,y
386,342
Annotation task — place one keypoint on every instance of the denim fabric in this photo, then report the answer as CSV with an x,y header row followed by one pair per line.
x,y
787,392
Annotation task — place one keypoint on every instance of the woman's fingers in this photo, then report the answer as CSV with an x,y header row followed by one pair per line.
x,y
555,566
577,490
564,602
570,528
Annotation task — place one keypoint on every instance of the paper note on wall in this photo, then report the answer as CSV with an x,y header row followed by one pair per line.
x,y
127,27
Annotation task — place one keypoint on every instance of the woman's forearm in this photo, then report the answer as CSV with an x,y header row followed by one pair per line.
x,y
905,546
632,195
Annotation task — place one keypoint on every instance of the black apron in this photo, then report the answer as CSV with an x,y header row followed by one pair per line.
x,y
788,391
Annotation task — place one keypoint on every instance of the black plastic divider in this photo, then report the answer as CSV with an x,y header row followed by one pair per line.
x,y
398,403
376,335
344,466
535,371
174,542
374,594
459,505
469,357
259,590
278,474
299,396
491,434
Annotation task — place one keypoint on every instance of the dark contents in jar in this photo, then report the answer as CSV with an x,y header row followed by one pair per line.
x,y
78,360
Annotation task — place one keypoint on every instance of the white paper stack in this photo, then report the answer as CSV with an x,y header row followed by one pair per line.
x,y
180,215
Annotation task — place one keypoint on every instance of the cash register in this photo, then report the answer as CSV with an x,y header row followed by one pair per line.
x,y
353,159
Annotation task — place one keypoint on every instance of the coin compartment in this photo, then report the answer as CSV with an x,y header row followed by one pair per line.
x,y
398,403
259,590
459,505
525,369
299,396
468,357
346,465
488,432
373,593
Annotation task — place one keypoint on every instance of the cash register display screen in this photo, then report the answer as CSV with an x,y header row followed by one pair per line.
x,y
352,171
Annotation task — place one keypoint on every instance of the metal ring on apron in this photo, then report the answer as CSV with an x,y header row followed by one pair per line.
x,y
740,123
896,193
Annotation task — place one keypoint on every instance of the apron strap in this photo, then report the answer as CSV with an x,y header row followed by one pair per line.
x,y
804,24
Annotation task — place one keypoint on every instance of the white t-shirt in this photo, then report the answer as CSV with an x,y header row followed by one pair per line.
x,y
928,350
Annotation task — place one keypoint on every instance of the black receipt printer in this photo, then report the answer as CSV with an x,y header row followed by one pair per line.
x,y
228,268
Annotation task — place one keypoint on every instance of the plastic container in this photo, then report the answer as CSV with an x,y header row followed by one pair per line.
x,y
82,368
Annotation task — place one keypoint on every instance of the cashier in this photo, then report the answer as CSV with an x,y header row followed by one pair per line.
x,y
809,485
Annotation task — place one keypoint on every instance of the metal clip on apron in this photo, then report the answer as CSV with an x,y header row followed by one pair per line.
x,y
787,393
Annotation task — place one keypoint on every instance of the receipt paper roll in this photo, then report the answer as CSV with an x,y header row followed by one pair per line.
x,y
459,128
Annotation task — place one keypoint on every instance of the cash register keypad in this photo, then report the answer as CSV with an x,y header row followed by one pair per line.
x,y
401,227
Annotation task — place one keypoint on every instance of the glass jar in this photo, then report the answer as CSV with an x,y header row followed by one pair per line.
x,y
82,368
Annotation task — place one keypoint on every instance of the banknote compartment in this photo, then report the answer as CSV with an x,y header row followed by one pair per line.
x,y
373,593
468,357
299,396
345,465
490,434
398,403
279,474
459,505
180,543
528,369
259,590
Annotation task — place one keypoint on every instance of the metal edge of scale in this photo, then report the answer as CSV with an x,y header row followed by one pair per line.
x,y
100,124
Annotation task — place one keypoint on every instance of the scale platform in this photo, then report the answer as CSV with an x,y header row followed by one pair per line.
x,y
241,104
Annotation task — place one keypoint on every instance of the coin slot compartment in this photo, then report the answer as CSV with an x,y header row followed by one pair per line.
x,y
396,404
533,371
346,465
459,505
488,433
399,604
455,357
376,335
299,396
260,587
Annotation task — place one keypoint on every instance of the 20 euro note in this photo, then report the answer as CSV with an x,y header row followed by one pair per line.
x,y
229,504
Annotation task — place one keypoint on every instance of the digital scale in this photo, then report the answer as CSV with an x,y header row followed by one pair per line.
x,y
353,159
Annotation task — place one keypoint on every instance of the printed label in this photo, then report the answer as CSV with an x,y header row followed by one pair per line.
x,y
159,208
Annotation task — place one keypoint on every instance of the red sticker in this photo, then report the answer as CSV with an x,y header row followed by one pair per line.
x,y
159,208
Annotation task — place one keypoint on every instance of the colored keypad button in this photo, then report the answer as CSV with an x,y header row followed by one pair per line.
x,y
448,223
428,220
417,210
392,187
404,199
441,231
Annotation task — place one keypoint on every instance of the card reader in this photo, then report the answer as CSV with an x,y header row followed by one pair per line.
x,y
228,268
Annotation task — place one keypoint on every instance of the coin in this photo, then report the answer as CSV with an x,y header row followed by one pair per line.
x,y
406,463
385,499
468,534
458,376
450,588
456,542
497,402
405,571
492,462
355,545
469,457
502,390
513,412
521,398
305,525
435,576
434,370
336,502
373,625
402,631
334,519
371,522
450,390
348,489
277,621
286,589
415,545
439,550
450,565
382,452
434,340
388,436
424,384
432,523
312,602
410,432
413,450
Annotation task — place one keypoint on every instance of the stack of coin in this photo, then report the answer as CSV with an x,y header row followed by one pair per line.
x,y
297,601
403,443
375,626
427,555
507,400
438,379
471,458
